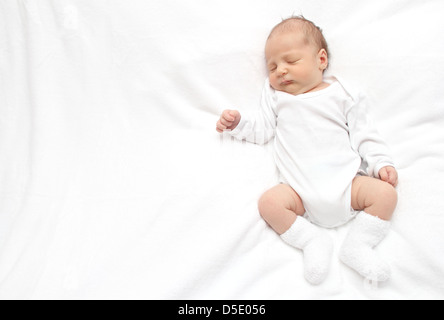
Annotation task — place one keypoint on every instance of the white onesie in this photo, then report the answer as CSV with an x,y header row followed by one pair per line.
x,y
322,140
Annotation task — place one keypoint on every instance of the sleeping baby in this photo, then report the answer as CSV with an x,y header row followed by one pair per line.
x,y
334,166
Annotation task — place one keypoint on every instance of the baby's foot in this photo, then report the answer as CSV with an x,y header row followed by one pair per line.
x,y
317,258
364,260
316,245
358,249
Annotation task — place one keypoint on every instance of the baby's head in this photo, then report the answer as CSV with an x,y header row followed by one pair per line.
x,y
297,56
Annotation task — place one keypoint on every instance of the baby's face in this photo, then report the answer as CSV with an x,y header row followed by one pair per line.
x,y
294,66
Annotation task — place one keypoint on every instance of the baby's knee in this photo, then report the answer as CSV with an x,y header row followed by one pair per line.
x,y
280,199
273,201
267,204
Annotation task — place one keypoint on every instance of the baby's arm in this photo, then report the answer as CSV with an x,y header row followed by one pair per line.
x,y
256,127
366,140
228,120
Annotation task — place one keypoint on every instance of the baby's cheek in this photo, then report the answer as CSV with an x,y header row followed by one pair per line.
x,y
274,83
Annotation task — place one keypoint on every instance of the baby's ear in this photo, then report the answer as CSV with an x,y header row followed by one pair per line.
x,y
323,59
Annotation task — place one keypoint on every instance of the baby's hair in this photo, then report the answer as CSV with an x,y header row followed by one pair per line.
x,y
312,32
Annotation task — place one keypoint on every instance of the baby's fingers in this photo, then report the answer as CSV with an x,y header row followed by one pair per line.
x,y
393,178
228,116
383,175
389,175
226,121
220,127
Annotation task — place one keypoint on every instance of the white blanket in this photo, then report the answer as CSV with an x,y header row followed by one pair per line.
x,y
115,185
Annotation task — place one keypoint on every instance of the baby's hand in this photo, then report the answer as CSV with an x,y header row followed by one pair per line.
x,y
228,120
390,175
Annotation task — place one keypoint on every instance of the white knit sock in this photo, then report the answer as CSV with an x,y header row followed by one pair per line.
x,y
357,251
316,245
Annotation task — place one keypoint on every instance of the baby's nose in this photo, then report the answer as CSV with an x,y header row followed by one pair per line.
x,y
283,71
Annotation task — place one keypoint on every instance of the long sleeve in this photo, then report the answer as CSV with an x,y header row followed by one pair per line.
x,y
365,139
259,127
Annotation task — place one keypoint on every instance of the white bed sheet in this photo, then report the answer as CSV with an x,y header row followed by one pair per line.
x,y
115,185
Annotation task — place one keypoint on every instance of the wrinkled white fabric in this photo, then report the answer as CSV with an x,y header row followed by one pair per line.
x,y
115,184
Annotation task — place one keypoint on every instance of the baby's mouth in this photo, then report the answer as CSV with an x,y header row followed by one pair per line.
x,y
286,82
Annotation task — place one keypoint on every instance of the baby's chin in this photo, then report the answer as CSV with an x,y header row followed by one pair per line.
x,y
295,89
290,89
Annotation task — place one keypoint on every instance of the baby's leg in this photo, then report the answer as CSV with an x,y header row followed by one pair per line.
x,y
374,196
377,200
282,208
